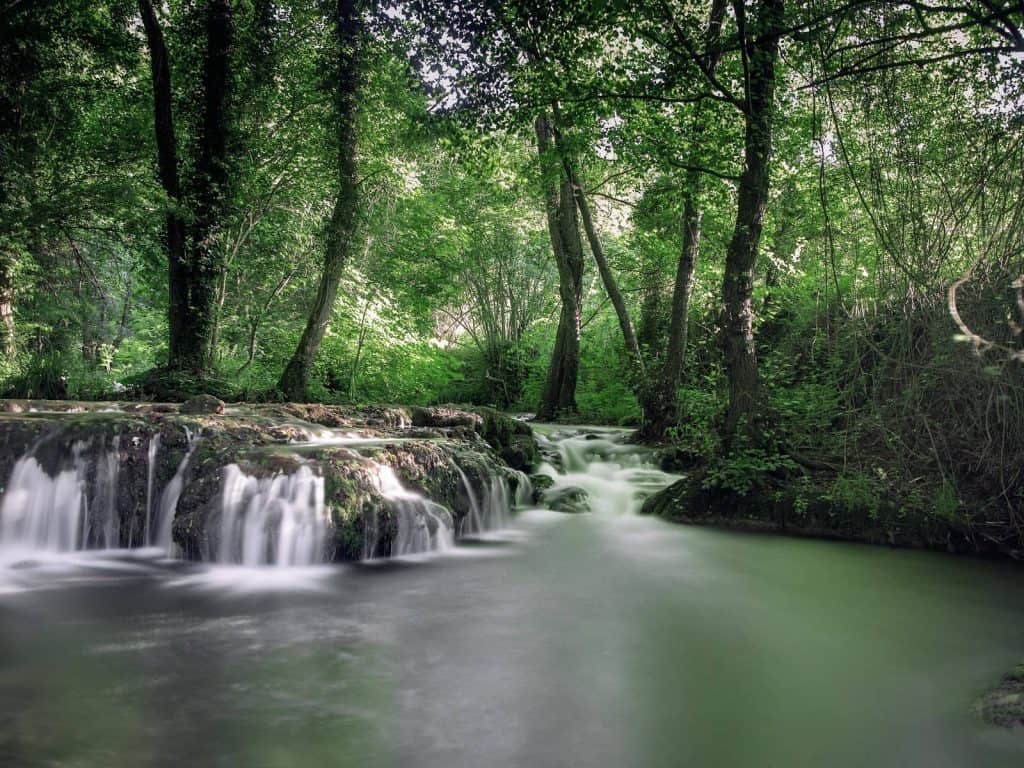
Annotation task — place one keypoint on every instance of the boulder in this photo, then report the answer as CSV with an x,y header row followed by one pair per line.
x,y
570,499
1004,704
202,405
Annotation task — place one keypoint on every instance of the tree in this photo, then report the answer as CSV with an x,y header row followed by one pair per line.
x,y
341,233
659,398
760,50
559,395
194,255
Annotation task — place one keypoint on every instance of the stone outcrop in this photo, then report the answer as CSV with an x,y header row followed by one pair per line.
x,y
425,448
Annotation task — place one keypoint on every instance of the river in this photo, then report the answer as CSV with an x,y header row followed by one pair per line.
x,y
601,639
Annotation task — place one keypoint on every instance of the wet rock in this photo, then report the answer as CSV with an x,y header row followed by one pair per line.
x,y
10,406
678,460
541,482
571,500
261,440
1004,704
203,404
446,416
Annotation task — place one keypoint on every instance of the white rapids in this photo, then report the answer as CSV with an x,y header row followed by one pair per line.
x,y
615,477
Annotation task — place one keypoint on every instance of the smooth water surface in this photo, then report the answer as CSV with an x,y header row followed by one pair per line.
x,y
571,640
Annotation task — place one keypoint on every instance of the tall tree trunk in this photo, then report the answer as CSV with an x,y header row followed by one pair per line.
x,y
190,350
563,228
8,339
341,232
761,44
611,285
659,402
167,164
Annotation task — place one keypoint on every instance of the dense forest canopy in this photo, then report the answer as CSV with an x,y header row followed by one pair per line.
x,y
779,233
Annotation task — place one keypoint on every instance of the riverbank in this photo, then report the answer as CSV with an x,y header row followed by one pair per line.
x,y
796,501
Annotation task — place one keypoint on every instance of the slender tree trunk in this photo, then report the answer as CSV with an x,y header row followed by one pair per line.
x,y
659,402
8,340
611,285
341,233
560,390
737,321
167,164
359,352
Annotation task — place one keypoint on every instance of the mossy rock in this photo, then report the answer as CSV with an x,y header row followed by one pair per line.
x,y
203,404
803,508
571,500
1004,704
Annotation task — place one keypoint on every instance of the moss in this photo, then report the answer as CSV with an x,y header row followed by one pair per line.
x,y
255,437
1004,704
809,506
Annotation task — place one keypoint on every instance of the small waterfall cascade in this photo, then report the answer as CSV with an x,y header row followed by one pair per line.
x,y
74,509
280,520
423,525
493,511
524,488
151,455
615,477
161,531
497,502
473,522
100,530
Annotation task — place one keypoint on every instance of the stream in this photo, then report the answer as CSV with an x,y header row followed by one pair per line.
x,y
594,639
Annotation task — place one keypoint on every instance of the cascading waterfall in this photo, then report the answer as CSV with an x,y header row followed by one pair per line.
x,y
280,520
493,512
44,513
100,527
39,512
473,522
496,502
151,455
524,488
169,500
423,525
615,477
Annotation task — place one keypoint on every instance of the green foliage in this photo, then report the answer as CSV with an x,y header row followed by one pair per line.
x,y
855,492
746,468
700,409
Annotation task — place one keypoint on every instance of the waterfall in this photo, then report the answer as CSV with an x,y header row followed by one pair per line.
x,y
40,512
524,488
493,513
101,528
472,522
169,499
612,476
423,525
280,520
496,502
151,456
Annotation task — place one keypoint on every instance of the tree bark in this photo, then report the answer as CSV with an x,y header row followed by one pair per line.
x,y
611,285
190,350
341,232
559,394
167,165
8,340
659,402
761,48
